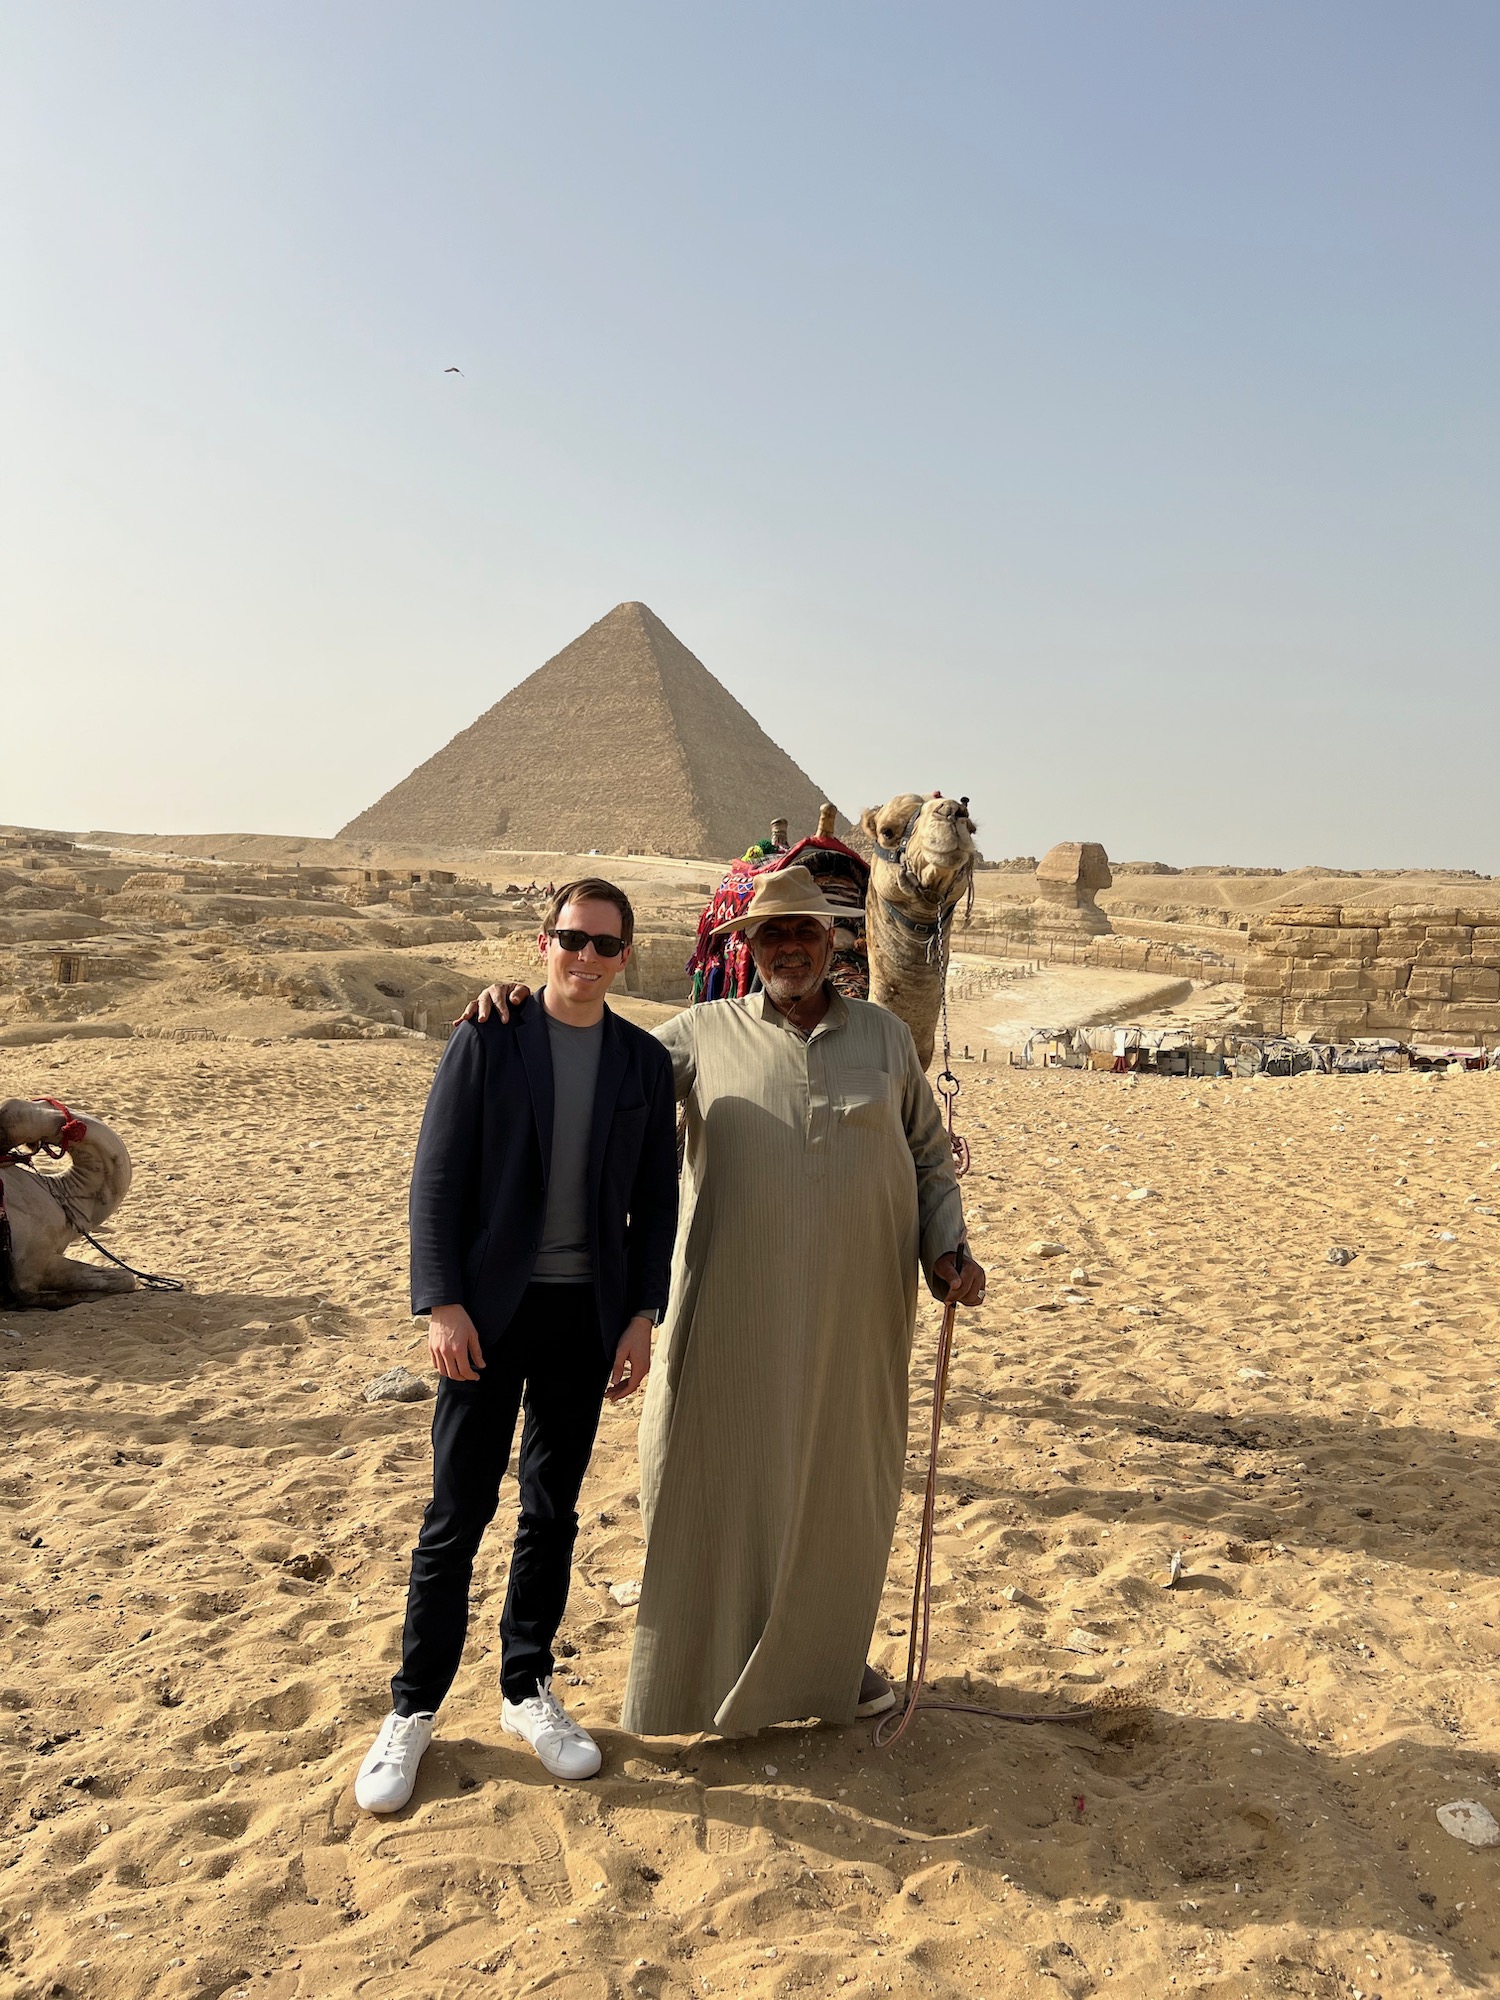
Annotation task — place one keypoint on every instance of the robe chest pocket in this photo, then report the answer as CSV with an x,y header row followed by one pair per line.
x,y
863,1097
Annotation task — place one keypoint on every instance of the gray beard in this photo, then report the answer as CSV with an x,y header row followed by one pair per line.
x,y
787,991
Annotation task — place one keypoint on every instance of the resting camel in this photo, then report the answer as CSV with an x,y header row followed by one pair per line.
x,y
44,1217
922,870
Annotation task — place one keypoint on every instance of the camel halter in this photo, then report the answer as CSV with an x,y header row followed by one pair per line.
x,y
73,1132
893,1726
933,931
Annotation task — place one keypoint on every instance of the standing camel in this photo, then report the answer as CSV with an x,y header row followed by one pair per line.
x,y
922,870
43,1216
907,895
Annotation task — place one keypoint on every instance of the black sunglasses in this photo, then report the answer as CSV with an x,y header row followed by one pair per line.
x,y
605,945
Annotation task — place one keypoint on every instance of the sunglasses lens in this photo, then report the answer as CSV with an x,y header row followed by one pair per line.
x,y
607,947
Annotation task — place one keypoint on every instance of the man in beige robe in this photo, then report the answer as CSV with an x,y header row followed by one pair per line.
x,y
773,1439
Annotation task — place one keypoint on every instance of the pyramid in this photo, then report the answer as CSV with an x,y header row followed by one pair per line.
x,y
622,741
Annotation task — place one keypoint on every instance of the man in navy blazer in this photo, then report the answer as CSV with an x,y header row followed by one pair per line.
x,y
543,1208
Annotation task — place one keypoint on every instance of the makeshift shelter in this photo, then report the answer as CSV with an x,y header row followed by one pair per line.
x,y
1123,1049
1370,1055
1055,1048
1439,1056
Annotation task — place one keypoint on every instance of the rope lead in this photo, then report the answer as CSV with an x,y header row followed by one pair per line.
x,y
894,1725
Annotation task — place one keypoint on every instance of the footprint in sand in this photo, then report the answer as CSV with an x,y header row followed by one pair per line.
x,y
724,1828
543,1874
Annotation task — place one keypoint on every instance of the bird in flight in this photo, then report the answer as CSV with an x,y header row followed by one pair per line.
x,y
454,371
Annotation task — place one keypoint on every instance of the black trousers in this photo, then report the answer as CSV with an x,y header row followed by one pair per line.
x,y
550,1356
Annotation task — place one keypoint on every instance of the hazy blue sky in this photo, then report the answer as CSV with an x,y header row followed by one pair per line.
x,y
1089,407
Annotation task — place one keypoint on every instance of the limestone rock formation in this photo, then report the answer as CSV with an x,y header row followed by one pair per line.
x,y
623,741
1069,876
1416,971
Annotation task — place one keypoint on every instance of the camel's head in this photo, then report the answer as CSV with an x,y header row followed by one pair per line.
x,y
933,838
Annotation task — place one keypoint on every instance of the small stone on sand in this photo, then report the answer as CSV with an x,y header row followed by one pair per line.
x,y
1081,1641
398,1385
1469,1821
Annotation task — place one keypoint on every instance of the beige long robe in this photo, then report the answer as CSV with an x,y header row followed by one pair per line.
x,y
774,1430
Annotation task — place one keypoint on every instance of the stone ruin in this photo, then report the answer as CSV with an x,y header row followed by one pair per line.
x,y
1416,971
91,942
1069,876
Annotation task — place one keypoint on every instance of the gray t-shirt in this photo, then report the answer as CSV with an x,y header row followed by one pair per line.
x,y
564,1256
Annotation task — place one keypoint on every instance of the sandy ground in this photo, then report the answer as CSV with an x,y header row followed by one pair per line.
x,y
991,1008
207,1532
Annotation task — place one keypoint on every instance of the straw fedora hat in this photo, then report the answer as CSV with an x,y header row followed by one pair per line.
x,y
787,892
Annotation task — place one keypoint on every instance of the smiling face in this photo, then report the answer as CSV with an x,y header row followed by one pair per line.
x,y
582,978
791,955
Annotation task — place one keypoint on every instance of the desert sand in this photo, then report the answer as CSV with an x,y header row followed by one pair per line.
x,y
208,1532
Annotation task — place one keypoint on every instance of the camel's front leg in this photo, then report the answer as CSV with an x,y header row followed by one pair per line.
x,y
63,1281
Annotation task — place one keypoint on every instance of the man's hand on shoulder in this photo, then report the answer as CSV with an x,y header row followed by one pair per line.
x,y
632,1360
496,999
453,1343
966,1285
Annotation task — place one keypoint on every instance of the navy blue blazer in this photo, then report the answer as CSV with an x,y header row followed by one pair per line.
x,y
479,1184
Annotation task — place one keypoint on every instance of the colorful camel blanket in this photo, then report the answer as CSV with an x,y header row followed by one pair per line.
x,y
721,968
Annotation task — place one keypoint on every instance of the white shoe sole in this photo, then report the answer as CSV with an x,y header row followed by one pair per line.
x,y
382,1805
882,1704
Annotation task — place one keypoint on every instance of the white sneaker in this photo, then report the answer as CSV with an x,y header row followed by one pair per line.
x,y
567,1750
388,1775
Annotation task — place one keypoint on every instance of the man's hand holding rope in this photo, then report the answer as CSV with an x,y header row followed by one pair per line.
x,y
965,1282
